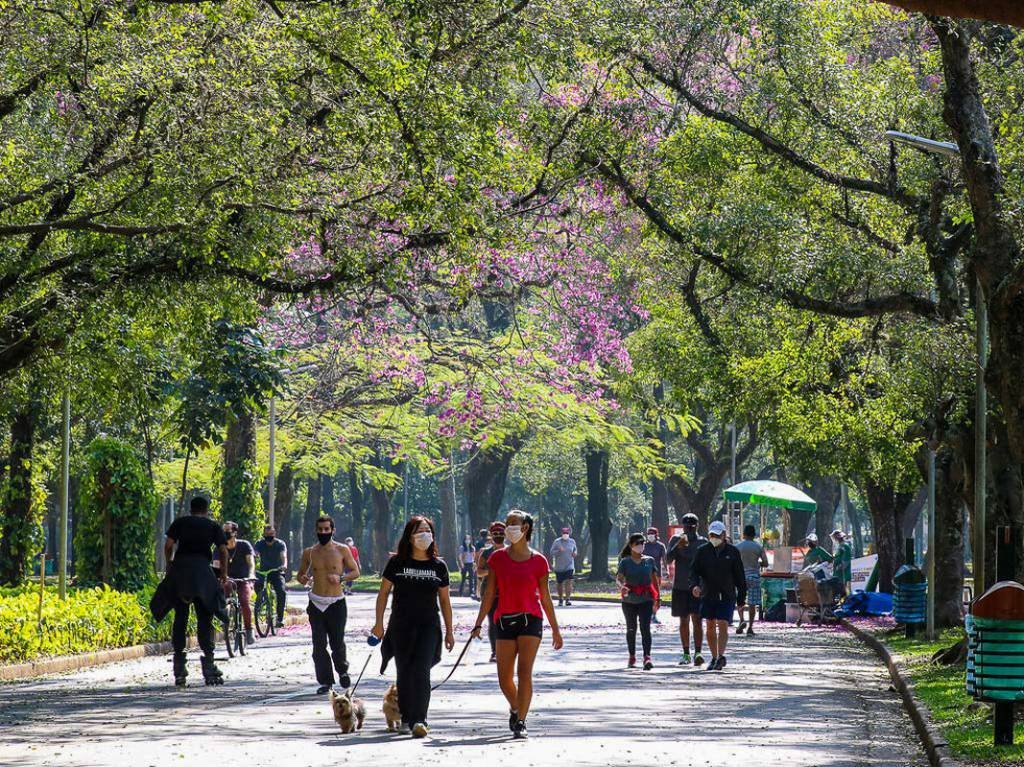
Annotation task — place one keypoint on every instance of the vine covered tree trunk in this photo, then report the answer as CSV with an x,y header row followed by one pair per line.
x,y
857,529
327,502
449,532
484,483
949,538
825,491
597,513
241,495
888,510
19,539
381,500
659,493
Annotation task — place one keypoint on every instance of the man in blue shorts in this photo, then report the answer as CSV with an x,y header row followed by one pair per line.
x,y
685,605
721,586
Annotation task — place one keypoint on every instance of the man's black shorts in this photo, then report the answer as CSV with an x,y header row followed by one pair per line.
x,y
564,575
521,625
684,603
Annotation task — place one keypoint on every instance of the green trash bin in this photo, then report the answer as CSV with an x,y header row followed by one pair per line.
x,y
998,660
972,645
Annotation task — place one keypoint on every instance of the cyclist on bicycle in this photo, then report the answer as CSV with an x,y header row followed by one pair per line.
x,y
273,554
241,574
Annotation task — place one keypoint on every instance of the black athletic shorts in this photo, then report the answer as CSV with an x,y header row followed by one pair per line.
x,y
684,603
564,575
518,625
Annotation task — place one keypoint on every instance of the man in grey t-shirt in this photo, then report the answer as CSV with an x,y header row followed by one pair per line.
x,y
563,562
754,560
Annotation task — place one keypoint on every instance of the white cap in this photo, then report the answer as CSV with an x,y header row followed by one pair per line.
x,y
716,528
812,537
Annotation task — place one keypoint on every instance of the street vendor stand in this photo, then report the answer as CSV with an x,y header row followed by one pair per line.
x,y
785,561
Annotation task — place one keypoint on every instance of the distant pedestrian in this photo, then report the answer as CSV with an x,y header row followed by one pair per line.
x,y
754,560
815,554
685,605
655,549
418,580
519,581
355,555
467,567
563,562
720,584
842,563
497,542
639,581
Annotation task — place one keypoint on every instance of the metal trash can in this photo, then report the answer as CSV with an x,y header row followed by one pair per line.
x,y
972,645
998,660
910,600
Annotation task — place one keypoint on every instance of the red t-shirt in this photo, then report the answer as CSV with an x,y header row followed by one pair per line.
x,y
517,583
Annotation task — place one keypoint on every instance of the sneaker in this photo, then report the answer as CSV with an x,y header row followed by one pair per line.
x,y
249,638
279,624
561,603
654,619
404,729
750,631
698,660
685,659
519,731
712,665
741,627
720,664
323,689
568,603
632,662
344,681
420,730
513,717
647,663
494,658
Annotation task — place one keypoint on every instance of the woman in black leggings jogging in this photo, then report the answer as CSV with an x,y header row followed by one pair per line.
x,y
639,582
419,580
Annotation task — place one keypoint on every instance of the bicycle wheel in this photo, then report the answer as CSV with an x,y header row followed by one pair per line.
x,y
272,611
262,614
229,634
239,632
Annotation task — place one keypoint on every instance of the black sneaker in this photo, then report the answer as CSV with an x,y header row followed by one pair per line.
x,y
279,624
720,664
712,665
647,664
323,689
513,718
750,631
568,603
519,731
741,627
561,602
698,659
344,681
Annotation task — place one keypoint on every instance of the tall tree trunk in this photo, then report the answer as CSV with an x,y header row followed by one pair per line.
x,y
888,511
283,498
597,512
327,502
825,491
449,541
484,483
659,493
381,501
17,521
312,511
857,528
949,536
356,500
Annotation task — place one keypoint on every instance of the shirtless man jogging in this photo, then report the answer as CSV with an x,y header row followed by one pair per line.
x,y
328,565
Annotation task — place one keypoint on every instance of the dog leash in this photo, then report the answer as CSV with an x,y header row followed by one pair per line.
x,y
373,642
457,662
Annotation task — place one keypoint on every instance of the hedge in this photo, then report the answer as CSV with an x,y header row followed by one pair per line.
x,y
89,619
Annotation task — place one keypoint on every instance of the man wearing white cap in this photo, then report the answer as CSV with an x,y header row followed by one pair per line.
x,y
721,586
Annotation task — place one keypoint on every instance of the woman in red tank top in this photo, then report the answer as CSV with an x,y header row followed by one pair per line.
x,y
519,575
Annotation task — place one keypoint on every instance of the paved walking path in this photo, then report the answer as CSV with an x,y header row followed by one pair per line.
x,y
790,697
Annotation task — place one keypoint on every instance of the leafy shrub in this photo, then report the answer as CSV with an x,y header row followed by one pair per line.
x,y
117,496
88,620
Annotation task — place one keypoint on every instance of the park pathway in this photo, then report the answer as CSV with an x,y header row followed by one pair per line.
x,y
790,697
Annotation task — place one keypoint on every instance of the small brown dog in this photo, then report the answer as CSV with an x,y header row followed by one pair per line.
x,y
349,713
391,711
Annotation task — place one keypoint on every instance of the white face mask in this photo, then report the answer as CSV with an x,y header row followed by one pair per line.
x,y
715,541
637,549
651,538
422,541
513,533
565,536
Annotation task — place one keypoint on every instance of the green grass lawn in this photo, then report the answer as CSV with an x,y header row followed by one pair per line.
x,y
941,688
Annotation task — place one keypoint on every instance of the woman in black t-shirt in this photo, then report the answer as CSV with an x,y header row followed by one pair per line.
x,y
419,581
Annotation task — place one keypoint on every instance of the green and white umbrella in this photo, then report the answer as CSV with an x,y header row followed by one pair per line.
x,y
767,492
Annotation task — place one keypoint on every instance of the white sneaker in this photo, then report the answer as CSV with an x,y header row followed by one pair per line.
x,y
420,730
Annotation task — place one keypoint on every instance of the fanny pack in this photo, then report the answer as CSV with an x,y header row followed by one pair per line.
x,y
514,622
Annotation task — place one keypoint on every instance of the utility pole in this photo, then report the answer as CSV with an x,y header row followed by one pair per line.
x,y
272,478
930,629
65,469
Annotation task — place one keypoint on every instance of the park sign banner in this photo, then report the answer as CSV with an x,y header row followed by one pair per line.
x,y
861,568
